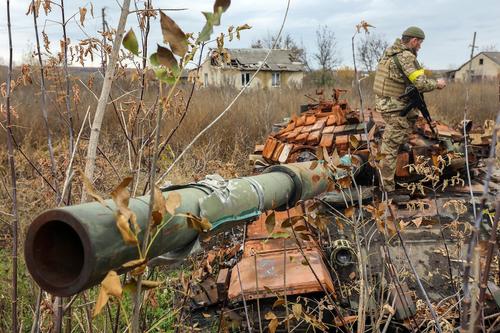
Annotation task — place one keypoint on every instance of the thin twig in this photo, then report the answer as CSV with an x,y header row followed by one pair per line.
x,y
88,88
122,95
394,276
87,312
363,286
44,102
466,108
386,326
489,256
109,162
68,305
285,292
157,9
477,225
358,86
123,125
69,171
12,167
448,258
145,241
35,328
241,284
308,263
144,38
66,75
257,290
32,164
474,314
493,326
116,324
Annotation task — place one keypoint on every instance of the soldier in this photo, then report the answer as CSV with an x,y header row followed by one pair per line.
x,y
397,69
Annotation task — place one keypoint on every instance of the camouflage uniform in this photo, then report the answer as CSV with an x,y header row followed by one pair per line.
x,y
389,85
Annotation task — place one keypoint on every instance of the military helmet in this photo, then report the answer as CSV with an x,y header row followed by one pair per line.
x,y
414,32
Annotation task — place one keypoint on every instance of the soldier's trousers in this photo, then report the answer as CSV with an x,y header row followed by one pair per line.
x,y
397,131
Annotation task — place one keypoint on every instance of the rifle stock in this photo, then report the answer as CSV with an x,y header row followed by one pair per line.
x,y
416,100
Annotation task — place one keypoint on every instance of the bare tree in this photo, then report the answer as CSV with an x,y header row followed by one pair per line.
x,y
489,48
327,53
284,41
257,44
103,99
370,50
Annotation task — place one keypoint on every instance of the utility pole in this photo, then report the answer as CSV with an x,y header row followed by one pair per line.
x,y
472,47
103,46
468,315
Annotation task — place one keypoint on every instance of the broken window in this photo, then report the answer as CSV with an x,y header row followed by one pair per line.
x,y
245,78
205,80
276,79
481,61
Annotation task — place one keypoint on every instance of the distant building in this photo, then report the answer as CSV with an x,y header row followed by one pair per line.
x,y
441,73
235,67
484,66
184,77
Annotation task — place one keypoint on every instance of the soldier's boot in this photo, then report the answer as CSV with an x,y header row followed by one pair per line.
x,y
387,183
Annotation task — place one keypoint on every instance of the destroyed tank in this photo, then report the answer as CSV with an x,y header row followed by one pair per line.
x,y
423,237
313,246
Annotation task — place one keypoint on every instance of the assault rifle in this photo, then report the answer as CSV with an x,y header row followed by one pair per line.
x,y
416,101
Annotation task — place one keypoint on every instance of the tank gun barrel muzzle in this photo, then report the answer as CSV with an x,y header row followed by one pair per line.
x,y
72,248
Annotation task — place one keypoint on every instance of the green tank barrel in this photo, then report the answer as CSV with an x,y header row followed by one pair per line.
x,y
70,249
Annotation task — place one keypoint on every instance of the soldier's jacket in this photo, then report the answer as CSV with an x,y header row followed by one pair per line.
x,y
389,81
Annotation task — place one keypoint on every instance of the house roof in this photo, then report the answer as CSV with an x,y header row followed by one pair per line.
x,y
493,55
251,59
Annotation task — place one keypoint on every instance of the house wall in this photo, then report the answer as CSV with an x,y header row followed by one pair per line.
x,y
217,76
488,70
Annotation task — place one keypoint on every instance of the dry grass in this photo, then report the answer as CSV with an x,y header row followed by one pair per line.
x,y
449,104
226,144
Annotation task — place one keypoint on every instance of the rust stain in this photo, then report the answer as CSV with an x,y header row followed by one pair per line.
x,y
271,268
316,178
270,271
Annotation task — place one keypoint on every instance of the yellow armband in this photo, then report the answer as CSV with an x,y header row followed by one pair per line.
x,y
415,74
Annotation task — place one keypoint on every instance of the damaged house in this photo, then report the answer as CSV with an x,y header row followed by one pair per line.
x,y
235,67
484,66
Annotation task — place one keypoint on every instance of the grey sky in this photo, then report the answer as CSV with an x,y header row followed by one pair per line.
x,y
449,25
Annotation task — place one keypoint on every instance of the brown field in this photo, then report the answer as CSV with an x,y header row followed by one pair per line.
x,y
223,149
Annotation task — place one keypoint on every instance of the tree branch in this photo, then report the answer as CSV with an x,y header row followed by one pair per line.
x,y
103,99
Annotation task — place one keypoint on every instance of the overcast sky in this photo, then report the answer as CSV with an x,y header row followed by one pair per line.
x,y
449,24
